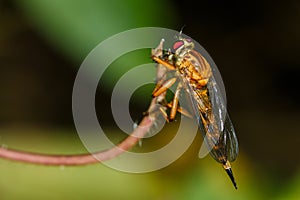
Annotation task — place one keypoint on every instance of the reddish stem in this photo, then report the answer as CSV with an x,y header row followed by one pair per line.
x,y
83,159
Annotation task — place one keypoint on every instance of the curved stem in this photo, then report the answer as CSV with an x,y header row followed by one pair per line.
x,y
82,159
85,159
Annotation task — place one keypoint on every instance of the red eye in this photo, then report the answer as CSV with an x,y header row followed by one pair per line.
x,y
177,44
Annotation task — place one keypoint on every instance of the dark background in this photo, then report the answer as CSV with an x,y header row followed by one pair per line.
x,y
255,45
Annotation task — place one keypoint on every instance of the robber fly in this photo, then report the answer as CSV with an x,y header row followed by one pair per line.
x,y
194,76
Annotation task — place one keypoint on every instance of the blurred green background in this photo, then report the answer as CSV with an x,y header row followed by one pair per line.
x,y
255,45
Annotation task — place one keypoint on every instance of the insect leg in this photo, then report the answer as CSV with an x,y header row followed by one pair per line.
x,y
175,103
181,110
164,63
166,85
164,114
159,82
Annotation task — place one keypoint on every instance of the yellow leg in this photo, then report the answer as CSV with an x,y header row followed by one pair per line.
x,y
164,63
166,85
163,112
181,110
175,103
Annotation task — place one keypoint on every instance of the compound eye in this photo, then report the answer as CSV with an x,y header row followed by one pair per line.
x,y
178,44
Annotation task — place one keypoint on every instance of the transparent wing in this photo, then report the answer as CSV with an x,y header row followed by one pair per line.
x,y
217,102
216,127
229,140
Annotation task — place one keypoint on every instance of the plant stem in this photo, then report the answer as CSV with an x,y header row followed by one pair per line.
x,y
85,159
